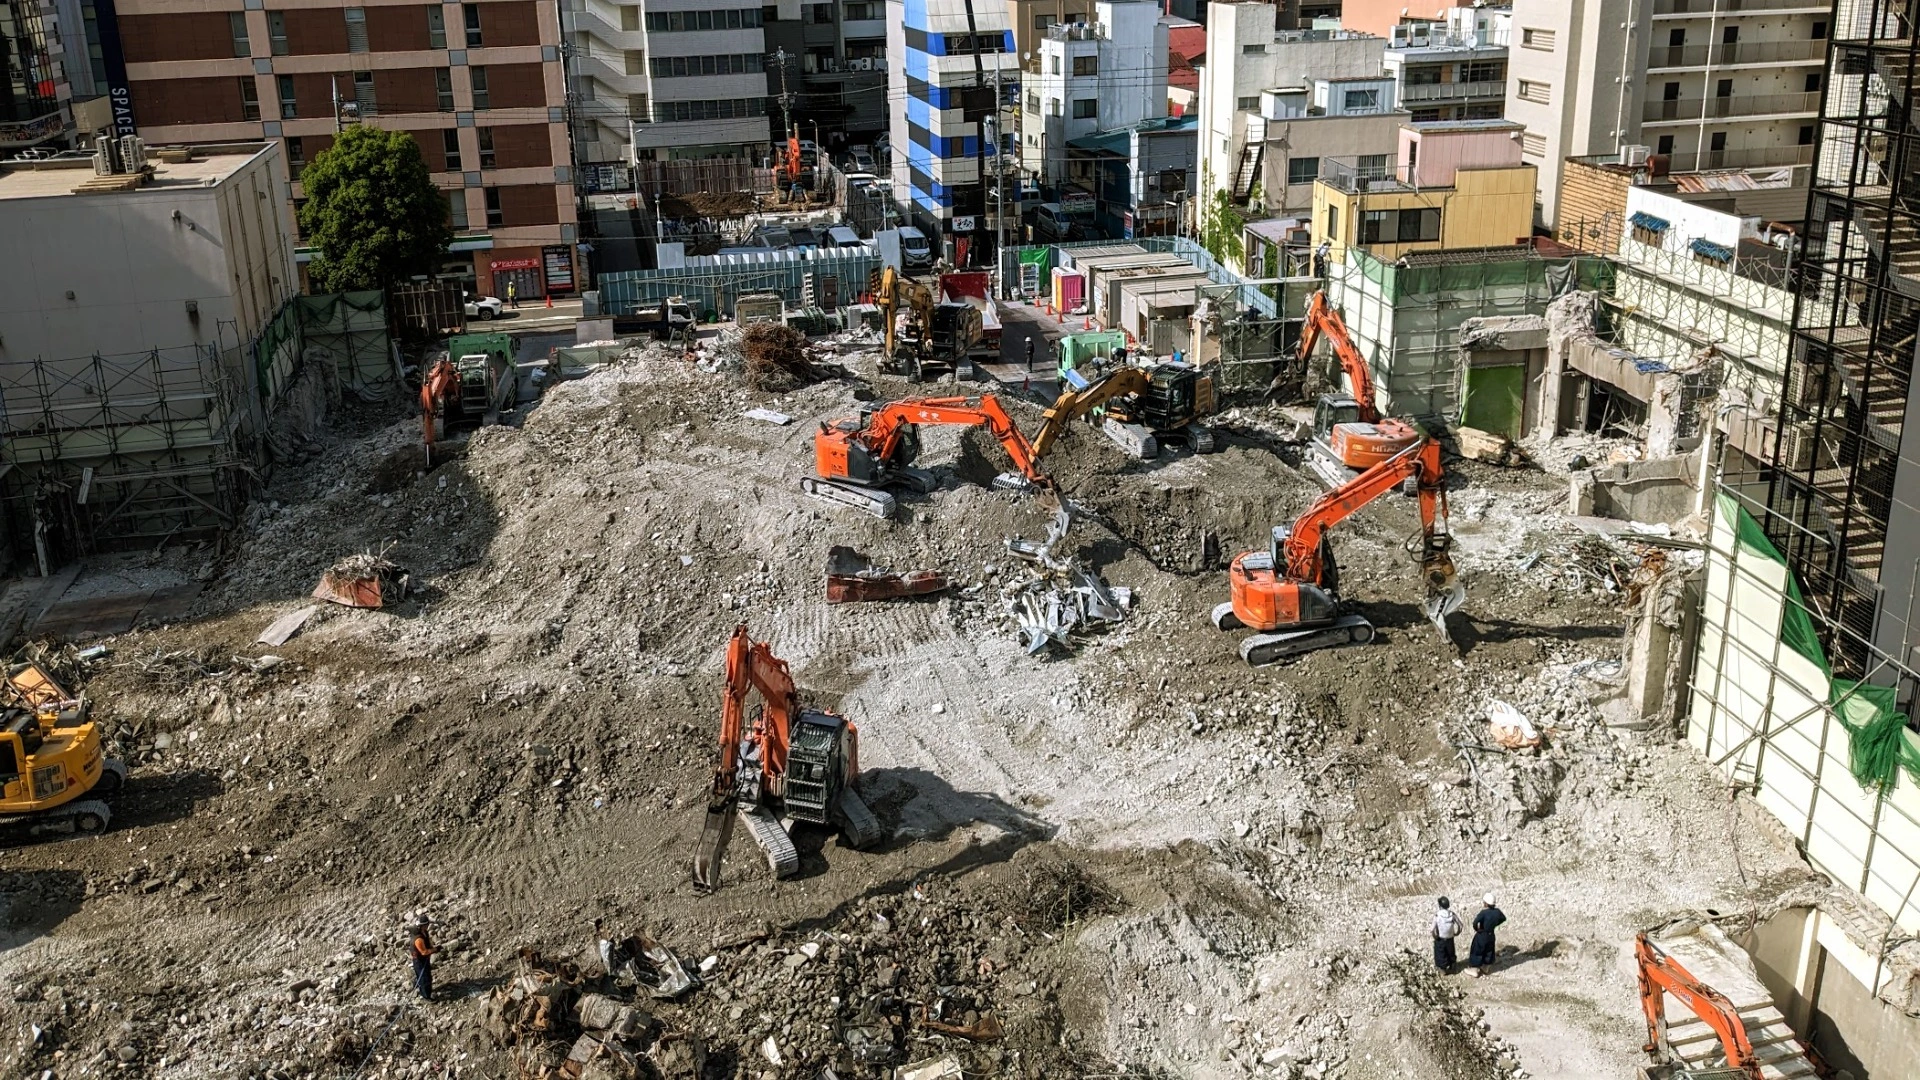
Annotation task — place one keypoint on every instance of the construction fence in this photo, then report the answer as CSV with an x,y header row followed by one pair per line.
x,y
817,277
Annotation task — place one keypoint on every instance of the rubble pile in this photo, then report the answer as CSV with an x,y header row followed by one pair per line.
x,y
1059,596
777,358
558,1025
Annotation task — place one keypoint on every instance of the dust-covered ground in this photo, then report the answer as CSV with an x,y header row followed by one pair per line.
x,y
1140,858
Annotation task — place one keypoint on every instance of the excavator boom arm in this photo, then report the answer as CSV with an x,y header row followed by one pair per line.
x,y
891,423
1074,404
1661,974
438,385
750,666
1323,320
1302,556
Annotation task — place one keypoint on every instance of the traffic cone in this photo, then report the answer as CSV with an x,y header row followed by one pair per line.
x,y
1086,322
549,301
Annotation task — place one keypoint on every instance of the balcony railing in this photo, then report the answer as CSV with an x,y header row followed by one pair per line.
x,y
1764,157
1682,8
1729,53
1680,110
1453,91
1350,176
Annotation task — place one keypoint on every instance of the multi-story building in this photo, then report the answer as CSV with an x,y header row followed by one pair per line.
x,y
1381,16
33,89
1452,70
1454,185
1031,18
951,65
827,69
673,78
1274,102
1706,84
1100,76
478,85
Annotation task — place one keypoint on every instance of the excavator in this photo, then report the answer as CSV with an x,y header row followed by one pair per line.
x,y
857,458
1349,434
1289,593
794,762
928,358
52,767
1144,407
1780,1057
473,389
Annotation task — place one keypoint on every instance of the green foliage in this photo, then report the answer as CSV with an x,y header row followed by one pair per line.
x,y
372,212
1220,231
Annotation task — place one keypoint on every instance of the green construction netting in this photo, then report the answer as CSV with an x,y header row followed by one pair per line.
x,y
1552,274
1880,744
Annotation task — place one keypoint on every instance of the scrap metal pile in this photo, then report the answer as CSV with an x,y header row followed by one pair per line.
x,y
364,581
1059,596
558,1024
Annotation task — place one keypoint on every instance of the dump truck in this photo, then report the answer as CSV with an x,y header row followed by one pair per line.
x,y
767,307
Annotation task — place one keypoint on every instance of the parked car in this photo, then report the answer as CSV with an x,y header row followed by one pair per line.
x,y
841,236
883,150
861,160
483,307
915,249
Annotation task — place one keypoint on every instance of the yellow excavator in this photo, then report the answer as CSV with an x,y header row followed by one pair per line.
x,y
898,292
52,768
1144,407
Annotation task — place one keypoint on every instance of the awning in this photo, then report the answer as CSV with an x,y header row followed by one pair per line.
x,y
1711,250
1643,220
471,242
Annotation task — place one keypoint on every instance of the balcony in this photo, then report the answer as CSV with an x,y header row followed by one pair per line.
x,y
854,29
1763,157
1700,9
1752,106
1735,54
611,71
1350,176
1453,91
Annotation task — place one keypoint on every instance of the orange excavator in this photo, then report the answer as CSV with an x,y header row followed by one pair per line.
x,y
470,388
794,762
1660,975
857,458
1349,434
1289,593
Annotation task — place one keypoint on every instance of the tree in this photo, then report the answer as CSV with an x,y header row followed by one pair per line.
x,y
372,212
1221,228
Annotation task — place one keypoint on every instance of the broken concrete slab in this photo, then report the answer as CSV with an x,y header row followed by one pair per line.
x,y
284,627
851,579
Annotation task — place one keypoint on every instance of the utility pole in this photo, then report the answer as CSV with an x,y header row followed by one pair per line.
x,y
999,184
786,99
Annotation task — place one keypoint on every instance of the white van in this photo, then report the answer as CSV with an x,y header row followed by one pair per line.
x,y
841,236
914,248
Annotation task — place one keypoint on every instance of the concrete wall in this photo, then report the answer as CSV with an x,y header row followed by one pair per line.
x,y
1441,154
1823,983
1689,221
1586,95
134,260
1381,16
1661,490
1319,137
1592,205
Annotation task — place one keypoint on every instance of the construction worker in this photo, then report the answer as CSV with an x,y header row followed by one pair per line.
x,y
1480,954
513,294
1029,352
421,950
1446,927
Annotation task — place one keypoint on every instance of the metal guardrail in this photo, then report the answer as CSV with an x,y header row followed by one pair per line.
x,y
1726,53
1683,109
1452,91
1679,8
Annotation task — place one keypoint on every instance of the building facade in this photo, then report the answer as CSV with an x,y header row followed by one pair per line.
x,y
33,86
1705,84
955,66
1453,186
479,86
1092,77
1455,69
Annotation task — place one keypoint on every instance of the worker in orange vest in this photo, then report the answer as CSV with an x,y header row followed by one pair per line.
x,y
421,950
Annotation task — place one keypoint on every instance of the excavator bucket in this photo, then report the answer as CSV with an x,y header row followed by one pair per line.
x,y
1445,592
714,836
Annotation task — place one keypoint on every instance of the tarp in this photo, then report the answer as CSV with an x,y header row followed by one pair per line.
x,y
1640,219
1716,252
1881,745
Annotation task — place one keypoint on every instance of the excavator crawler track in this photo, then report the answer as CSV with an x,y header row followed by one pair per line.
x,y
878,503
782,858
859,829
1262,649
1223,617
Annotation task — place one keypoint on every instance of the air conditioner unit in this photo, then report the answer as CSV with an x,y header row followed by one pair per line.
x,y
861,63
133,153
1634,155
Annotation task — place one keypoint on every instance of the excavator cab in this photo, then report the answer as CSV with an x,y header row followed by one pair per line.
x,y
1332,410
52,767
820,765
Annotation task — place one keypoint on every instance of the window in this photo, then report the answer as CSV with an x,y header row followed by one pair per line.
x,y
1086,65
1333,222
237,26
249,99
436,27
1723,88
363,93
1253,50
478,76
629,18
443,89
277,32
1483,71
1812,85
1537,92
638,109
1360,100
1428,75
470,15
1086,109
1533,144
1399,226
356,29
493,208
1033,102
820,14
1664,146
1806,135
1717,142
1730,36
1302,170
486,148
289,107
1041,22
296,156
1248,104
450,146
1819,30
1532,38
457,209
862,12
1371,166
1053,64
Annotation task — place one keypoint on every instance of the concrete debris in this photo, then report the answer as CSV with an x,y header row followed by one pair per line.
x,y
851,578
768,415
284,627
641,960
944,1068
1487,446
363,581
559,1024
1060,595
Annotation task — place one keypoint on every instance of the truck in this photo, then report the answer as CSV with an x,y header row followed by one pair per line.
x,y
975,288
768,307
665,320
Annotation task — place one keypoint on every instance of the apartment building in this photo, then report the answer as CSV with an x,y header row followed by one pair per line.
x,y
33,88
666,79
1455,69
840,60
1275,102
478,85
1705,84
1379,17
1100,76
945,61
1454,185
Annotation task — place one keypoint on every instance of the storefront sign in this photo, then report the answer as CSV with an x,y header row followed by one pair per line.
x,y
514,264
559,268
963,223
115,61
